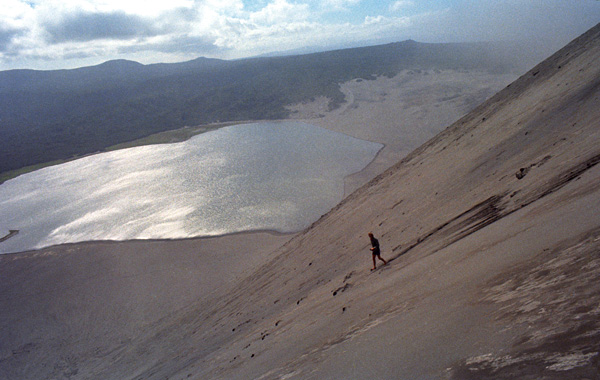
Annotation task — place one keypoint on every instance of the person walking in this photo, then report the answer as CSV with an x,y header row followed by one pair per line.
x,y
375,250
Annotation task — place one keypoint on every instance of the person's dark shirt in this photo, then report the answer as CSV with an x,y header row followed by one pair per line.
x,y
375,244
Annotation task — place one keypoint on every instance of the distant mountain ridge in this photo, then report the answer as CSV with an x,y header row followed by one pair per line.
x,y
57,114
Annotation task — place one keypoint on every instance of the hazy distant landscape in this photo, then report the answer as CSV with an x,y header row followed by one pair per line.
x,y
398,95
55,115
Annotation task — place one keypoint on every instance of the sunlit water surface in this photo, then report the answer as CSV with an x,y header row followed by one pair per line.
x,y
265,176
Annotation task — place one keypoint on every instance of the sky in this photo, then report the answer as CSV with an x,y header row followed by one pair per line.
x,y
61,34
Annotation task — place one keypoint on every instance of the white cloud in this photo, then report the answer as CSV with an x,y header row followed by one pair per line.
x,y
137,7
401,4
370,20
82,26
143,7
280,11
13,21
338,4
13,9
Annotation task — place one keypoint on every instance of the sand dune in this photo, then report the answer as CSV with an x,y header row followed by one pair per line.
x,y
492,230
79,302
402,112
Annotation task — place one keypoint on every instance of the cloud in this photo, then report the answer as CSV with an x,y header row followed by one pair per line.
x,y
280,11
301,34
485,20
6,36
338,4
82,26
11,22
177,44
372,20
69,31
401,4
384,27
144,8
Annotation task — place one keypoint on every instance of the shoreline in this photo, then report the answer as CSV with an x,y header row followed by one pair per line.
x,y
353,182
85,243
189,135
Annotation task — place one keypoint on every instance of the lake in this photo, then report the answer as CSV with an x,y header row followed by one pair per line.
x,y
279,176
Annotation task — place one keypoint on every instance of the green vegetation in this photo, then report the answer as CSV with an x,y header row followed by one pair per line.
x,y
27,169
64,114
168,137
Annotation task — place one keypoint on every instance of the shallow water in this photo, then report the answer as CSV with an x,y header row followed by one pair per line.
x,y
271,176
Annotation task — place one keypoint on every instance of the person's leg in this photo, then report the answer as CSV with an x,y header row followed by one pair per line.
x,y
382,259
374,264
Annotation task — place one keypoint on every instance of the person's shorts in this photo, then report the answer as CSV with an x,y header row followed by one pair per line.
x,y
377,252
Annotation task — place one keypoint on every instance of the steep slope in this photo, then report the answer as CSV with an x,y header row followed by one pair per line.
x,y
493,233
